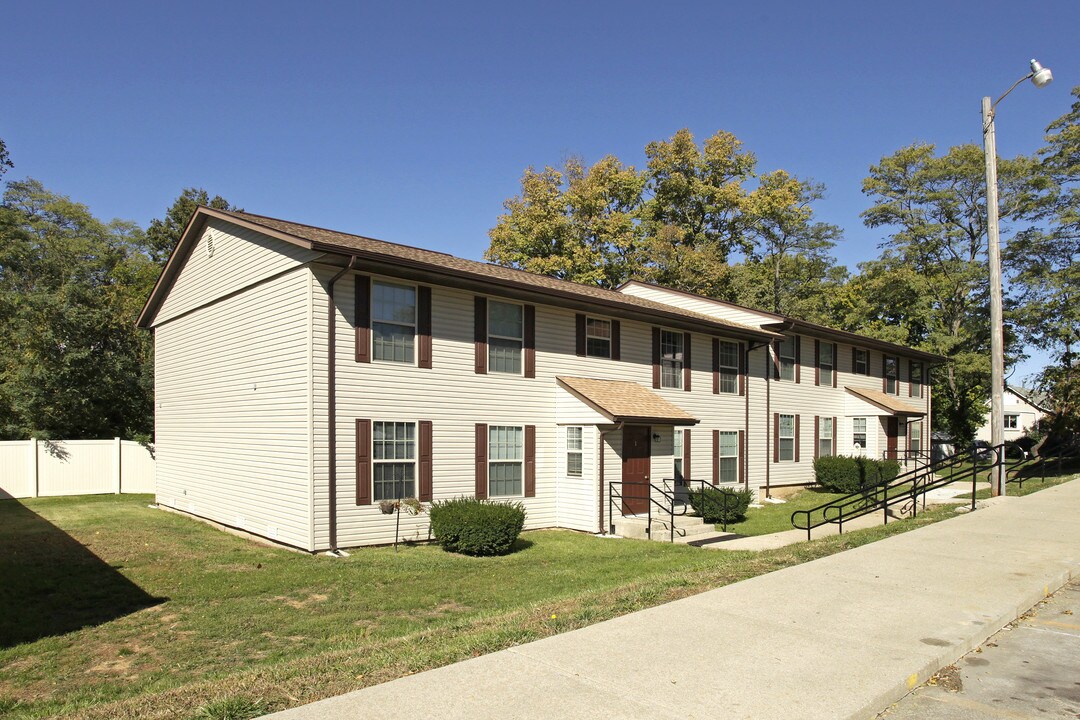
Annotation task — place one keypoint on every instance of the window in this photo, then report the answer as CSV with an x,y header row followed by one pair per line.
x,y
671,359
915,444
891,379
825,436
677,452
861,363
506,454
393,446
597,338
916,379
393,322
1012,422
787,358
573,451
858,433
506,337
786,438
729,367
826,363
728,453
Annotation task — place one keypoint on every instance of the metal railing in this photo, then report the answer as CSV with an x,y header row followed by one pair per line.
x,y
676,492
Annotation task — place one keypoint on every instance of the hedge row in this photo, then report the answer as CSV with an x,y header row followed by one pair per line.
x,y
721,505
476,527
842,474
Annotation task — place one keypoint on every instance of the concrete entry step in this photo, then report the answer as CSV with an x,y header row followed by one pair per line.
x,y
685,527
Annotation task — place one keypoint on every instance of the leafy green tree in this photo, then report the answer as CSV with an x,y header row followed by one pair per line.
x,y
72,364
5,159
163,234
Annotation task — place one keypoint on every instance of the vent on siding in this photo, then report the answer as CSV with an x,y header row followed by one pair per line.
x,y
209,243
271,532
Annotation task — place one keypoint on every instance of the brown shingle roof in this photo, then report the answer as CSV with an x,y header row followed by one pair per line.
x,y
623,401
339,242
885,401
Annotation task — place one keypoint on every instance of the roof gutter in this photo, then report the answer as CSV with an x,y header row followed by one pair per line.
x,y
331,402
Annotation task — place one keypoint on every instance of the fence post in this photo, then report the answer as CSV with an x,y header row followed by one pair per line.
x,y
117,483
33,468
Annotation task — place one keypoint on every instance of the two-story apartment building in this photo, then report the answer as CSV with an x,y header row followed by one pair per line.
x,y
305,375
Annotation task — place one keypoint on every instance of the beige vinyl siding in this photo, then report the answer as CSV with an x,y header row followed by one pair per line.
x,y
453,397
705,306
575,499
232,394
240,258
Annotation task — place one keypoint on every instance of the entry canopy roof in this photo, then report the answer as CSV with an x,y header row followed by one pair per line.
x,y
621,401
890,403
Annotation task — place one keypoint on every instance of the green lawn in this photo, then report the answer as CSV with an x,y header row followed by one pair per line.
x,y
111,609
777,518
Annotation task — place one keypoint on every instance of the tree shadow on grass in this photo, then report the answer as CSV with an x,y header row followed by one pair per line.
x,y
51,584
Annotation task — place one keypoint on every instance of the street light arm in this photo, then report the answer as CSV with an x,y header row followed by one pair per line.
x,y
986,125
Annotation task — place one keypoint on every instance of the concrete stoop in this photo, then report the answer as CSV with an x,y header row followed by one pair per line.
x,y
687,527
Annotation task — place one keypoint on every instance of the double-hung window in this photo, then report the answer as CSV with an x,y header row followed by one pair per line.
x,y
1012,422
729,367
573,451
861,363
506,459
677,452
786,438
916,379
671,359
891,373
506,327
915,433
597,337
826,364
393,460
787,358
393,322
825,436
858,432
728,455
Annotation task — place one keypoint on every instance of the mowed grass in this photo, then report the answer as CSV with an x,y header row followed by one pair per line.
x,y
111,609
774,518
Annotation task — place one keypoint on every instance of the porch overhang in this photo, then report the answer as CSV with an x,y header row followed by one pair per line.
x,y
621,401
884,403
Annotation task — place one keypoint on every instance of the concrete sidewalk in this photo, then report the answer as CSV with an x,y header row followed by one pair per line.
x,y
839,637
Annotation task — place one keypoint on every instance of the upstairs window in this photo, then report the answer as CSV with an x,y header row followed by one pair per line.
x,y
860,361
506,338
787,358
916,380
1012,422
597,338
393,322
891,376
671,359
826,363
393,446
729,367
573,451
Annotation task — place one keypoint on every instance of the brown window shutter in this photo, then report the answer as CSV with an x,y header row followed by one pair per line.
x,y
776,359
530,461
742,457
797,437
817,361
776,437
423,326
480,334
686,470
910,387
716,366
362,313
835,433
854,351
817,434
363,462
742,368
836,363
579,334
616,339
425,461
798,358
530,341
686,362
715,457
656,357
481,460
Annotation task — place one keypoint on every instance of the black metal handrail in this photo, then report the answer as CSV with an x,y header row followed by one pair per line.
x,y
904,488
672,498
1021,468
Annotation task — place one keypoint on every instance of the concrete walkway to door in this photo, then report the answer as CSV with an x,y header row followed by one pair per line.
x,y
839,637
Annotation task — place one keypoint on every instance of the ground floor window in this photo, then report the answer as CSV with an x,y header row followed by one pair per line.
x,y
858,433
394,460
573,451
677,452
506,456
825,436
728,453
915,443
786,438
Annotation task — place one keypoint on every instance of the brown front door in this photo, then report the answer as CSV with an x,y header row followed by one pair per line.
x,y
892,429
635,469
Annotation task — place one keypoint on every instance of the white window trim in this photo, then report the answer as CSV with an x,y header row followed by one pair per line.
x,y
915,432
831,365
865,363
610,340
822,437
895,376
865,433
580,452
734,369
681,363
414,462
781,357
678,453
491,461
781,437
1015,418
415,323
491,302
916,383
721,456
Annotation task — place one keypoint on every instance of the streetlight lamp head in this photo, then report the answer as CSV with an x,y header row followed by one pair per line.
x,y
1040,75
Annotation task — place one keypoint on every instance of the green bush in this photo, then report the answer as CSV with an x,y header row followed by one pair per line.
x,y
842,474
718,505
476,527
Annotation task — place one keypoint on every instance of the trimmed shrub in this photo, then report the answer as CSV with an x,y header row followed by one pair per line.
x,y
721,505
475,527
842,474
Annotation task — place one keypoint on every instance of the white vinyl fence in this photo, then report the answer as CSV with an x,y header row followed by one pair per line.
x,y
40,468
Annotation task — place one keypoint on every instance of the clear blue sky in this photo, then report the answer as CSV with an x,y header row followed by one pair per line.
x,y
412,122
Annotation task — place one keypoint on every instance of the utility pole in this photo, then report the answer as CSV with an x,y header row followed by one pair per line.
x,y
997,339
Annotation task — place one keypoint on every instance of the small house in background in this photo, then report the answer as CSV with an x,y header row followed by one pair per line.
x,y
303,375
1023,408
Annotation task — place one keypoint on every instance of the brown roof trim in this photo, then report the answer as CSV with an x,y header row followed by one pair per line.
x,y
823,331
674,416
